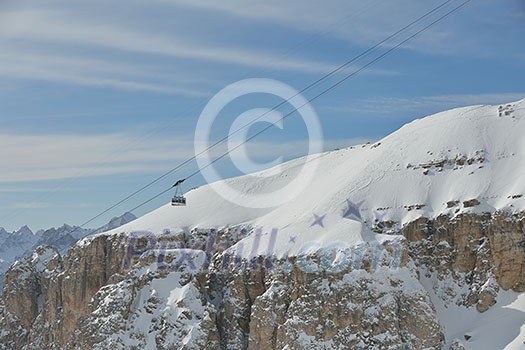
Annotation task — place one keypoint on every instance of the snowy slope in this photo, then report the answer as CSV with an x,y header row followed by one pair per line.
x,y
501,327
464,160
413,172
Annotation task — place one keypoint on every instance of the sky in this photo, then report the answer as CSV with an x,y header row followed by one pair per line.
x,y
98,98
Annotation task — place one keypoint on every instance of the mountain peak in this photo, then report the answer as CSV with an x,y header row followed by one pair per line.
x,y
24,230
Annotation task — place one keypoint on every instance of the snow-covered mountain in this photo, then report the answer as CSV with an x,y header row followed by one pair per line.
x,y
459,155
12,244
22,242
414,242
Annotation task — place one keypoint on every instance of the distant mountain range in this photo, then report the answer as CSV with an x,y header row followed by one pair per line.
x,y
21,243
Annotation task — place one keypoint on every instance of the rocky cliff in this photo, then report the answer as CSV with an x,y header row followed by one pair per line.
x,y
21,243
90,300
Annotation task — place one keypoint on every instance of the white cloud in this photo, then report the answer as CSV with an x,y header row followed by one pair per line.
x,y
46,116
20,64
49,157
361,22
467,31
60,27
56,45
395,105
16,189
31,205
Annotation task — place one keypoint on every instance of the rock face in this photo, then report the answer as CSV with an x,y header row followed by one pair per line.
x,y
44,295
257,308
26,299
354,310
90,299
483,252
87,269
21,243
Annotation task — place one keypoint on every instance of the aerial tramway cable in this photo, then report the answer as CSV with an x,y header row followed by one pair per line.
x,y
331,87
308,87
315,97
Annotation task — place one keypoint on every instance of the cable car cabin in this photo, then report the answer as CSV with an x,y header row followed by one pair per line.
x,y
178,201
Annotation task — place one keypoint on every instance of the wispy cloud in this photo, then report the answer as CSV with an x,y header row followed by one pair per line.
x,y
60,27
78,115
30,205
64,46
20,64
361,22
368,22
18,189
395,105
50,157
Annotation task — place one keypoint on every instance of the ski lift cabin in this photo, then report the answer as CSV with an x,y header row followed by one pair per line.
x,y
178,199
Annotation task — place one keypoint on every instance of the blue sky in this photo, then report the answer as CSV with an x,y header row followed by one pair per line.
x,y
97,98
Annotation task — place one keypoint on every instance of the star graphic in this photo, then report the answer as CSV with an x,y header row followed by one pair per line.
x,y
352,212
292,239
318,220
379,216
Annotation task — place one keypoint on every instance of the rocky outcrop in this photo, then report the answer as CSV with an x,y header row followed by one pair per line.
x,y
351,309
259,308
27,293
97,297
475,250
87,269
44,295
